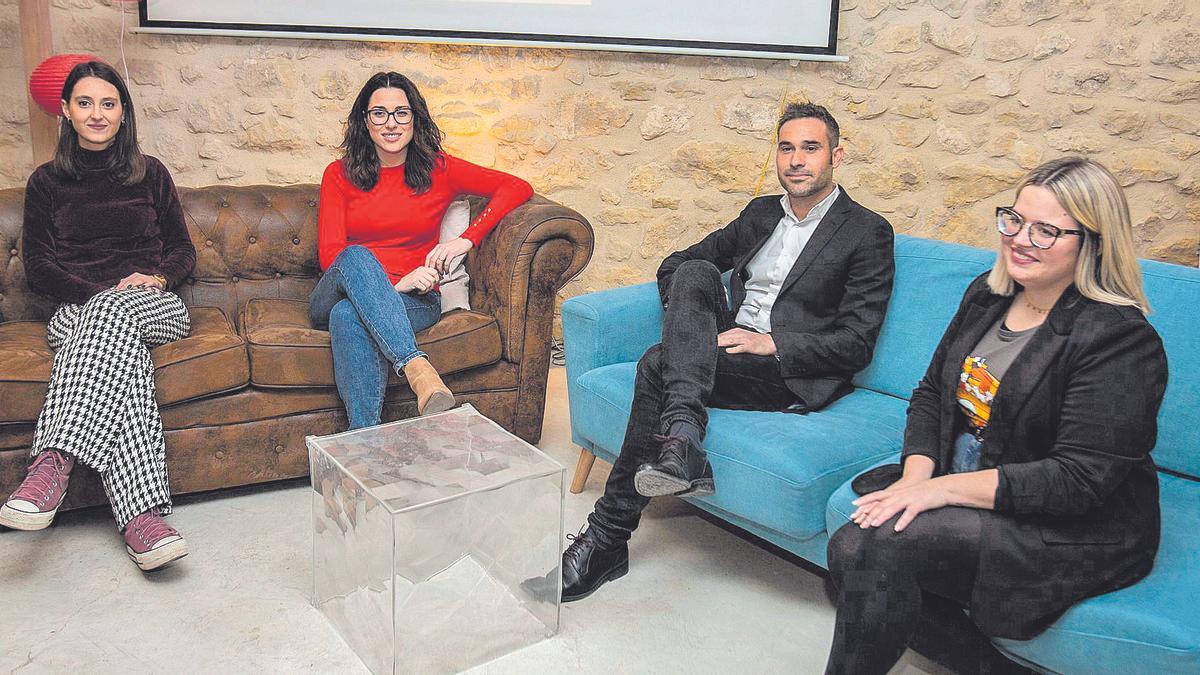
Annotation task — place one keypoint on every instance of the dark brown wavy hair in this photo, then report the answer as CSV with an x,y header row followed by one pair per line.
x,y
126,163
360,159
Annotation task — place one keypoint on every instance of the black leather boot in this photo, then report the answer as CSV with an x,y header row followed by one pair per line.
x,y
682,469
587,564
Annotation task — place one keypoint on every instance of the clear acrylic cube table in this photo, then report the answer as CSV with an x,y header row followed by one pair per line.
x,y
423,531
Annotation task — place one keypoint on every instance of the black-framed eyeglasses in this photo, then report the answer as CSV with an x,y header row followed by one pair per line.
x,y
379,116
1042,235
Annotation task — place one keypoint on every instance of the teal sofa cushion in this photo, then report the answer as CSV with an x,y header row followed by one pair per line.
x,y
775,469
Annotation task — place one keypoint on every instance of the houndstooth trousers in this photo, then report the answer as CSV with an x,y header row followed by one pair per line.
x,y
100,405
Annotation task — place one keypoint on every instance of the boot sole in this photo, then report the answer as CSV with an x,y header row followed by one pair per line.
x,y
439,401
29,522
613,574
654,483
159,557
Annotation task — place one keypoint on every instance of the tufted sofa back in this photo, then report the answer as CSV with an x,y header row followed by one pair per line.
x,y
257,241
254,241
251,242
16,300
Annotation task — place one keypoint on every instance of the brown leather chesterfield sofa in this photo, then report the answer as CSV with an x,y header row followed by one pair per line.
x,y
239,395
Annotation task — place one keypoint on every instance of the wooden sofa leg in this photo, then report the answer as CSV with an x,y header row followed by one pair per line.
x,y
582,468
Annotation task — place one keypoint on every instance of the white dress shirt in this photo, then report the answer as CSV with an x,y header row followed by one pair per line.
x,y
770,266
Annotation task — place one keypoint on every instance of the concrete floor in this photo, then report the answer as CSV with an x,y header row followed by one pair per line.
x,y
698,598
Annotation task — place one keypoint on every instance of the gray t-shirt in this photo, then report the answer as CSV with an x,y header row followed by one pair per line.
x,y
987,363
999,347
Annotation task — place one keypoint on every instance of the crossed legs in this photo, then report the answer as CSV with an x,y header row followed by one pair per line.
x,y
372,328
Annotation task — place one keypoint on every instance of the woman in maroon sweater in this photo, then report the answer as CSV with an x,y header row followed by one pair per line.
x,y
381,210
104,235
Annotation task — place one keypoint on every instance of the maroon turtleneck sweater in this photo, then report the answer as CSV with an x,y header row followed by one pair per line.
x,y
82,236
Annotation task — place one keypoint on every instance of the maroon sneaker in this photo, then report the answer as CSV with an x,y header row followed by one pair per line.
x,y
33,505
151,542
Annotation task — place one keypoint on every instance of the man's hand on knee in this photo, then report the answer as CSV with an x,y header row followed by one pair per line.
x,y
742,341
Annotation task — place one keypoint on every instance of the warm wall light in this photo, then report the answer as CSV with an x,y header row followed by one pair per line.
x,y
46,80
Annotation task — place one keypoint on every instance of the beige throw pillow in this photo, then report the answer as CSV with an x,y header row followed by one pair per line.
x,y
455,286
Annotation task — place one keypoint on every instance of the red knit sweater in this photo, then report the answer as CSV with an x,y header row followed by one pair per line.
x,y
401,227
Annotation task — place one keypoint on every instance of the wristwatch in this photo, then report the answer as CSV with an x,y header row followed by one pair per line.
x,y
161,279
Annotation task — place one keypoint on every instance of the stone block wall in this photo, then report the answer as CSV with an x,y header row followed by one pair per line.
x,y
944,104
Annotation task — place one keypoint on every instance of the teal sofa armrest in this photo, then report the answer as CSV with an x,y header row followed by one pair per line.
x,y
607,327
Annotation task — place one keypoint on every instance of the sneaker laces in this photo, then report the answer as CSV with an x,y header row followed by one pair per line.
x,y
151,527
44,474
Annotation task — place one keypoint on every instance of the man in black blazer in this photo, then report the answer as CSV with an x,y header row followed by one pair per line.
x,y
812,275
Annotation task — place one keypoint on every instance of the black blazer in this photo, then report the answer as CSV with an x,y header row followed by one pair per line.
x,y
832,302
1071,430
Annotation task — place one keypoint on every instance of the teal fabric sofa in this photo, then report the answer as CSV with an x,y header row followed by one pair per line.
x,y
785,477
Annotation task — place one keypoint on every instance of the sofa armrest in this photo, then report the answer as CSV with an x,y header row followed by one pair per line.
x,y
612,326
517,270
515,276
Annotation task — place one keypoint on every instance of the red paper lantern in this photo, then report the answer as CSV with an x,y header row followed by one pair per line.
x,y
46,81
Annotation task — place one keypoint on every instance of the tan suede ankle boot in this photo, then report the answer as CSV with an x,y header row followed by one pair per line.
x,y
432,394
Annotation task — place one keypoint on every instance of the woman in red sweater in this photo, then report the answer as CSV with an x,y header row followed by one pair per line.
x,y
380,217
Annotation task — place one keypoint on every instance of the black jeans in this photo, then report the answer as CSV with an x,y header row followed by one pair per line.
x,y
883,578
676,380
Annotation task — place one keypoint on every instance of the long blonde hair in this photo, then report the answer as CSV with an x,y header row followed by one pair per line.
x,y
1107,267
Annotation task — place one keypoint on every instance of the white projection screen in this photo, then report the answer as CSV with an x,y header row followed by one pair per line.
x,y
794,29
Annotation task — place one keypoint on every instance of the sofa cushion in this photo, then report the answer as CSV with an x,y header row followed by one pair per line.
x,y
286,351
1150,627
25,361
212,359
931,277
839,508
773,468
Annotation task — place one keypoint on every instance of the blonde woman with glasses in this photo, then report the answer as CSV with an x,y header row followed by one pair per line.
x,y
1026,483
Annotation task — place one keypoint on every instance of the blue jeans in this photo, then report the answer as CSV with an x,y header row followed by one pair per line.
x,y
966,453
371,324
